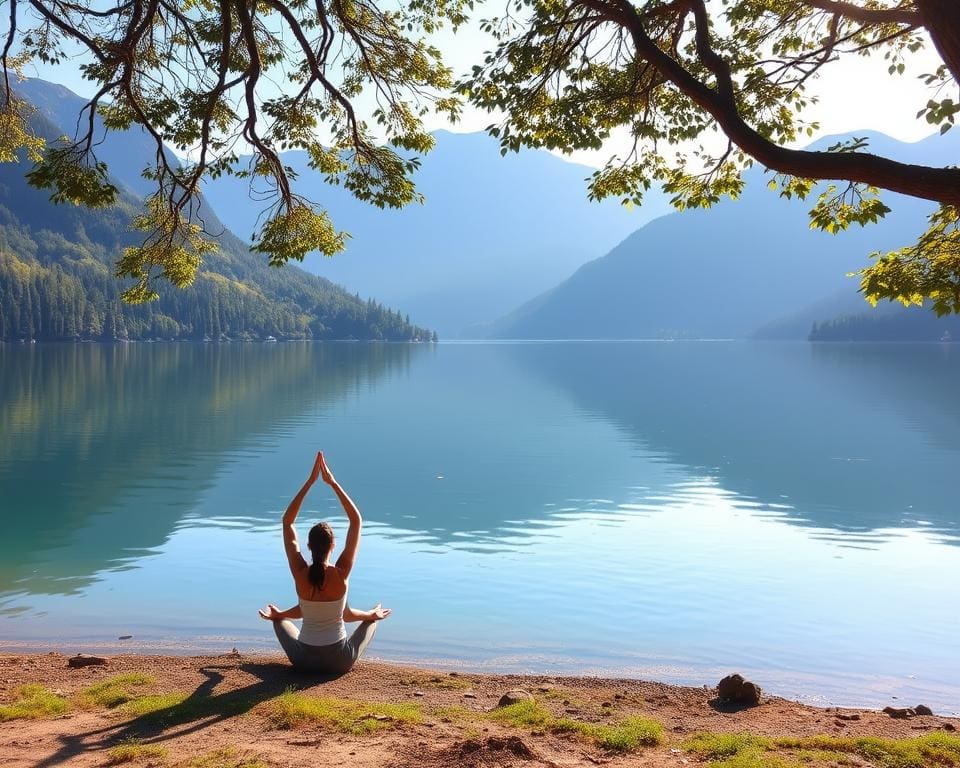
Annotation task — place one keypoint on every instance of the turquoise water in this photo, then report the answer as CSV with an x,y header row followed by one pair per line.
x,y
666,510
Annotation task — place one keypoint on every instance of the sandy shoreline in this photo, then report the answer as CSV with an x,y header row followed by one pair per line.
x,y
185,710
818,689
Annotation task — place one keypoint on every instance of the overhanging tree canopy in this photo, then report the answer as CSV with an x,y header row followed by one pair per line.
x,y
211,76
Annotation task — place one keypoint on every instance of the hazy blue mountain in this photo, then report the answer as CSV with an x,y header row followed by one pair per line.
x,y
797,324
126,153
845,316
57,283
726,272
493,230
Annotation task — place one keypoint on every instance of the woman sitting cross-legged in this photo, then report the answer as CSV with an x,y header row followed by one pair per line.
x,y
322,644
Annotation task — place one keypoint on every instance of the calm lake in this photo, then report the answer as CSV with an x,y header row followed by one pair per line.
x,y
674,511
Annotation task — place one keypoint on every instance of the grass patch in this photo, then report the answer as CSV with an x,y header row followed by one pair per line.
x,y
940,749
716,746
152,705
806,757
735,750
524,714
355,717
755,759
743,750
228,757
437,681
133,750
115,691
559,693
457,713
626,736
33,702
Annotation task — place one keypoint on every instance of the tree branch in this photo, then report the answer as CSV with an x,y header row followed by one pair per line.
x,y
867,15
938,184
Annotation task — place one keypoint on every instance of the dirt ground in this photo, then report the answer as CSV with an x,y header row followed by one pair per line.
x,y
228,700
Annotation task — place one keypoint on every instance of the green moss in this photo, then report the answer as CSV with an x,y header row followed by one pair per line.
x,y
115,691
152,705
292,709
228,757
33,702
132,751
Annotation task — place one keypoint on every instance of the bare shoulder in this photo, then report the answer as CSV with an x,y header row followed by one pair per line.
x,y
336,583
334,586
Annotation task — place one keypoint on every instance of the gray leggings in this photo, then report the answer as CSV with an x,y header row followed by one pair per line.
x,y
335,659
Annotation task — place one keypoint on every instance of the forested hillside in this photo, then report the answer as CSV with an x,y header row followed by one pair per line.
x,y
902,324
57,282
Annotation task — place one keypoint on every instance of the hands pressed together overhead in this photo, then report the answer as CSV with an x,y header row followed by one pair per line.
x,y
320,469
344,563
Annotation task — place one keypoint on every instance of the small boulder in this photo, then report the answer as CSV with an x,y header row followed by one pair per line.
x,y
514,696
948,727
923,709
750,694
81,660
729,687
734,688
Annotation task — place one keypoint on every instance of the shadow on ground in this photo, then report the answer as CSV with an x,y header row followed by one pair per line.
x,y
728,705
203,708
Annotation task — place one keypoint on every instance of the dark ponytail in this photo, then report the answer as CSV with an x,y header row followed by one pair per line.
x,y
320,542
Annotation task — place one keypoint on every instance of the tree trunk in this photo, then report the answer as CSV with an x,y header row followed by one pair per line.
x,y
942,20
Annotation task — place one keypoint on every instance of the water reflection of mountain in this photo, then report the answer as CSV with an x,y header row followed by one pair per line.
x,y
105,448
847,437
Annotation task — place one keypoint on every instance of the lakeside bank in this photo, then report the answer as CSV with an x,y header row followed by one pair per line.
x,y
238,711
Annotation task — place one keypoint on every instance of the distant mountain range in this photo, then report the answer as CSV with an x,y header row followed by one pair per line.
x,y
743,268
492,232
126,153
56,265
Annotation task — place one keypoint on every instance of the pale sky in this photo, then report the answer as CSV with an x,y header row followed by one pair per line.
x,y
855,94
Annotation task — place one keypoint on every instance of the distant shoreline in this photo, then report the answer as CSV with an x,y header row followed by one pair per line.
x,y
470,342
114,342
810,688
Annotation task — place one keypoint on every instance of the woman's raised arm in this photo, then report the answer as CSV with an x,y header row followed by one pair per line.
x,y
349,554
290,543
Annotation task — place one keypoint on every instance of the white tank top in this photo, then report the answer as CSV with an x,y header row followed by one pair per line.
x,y
323,621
